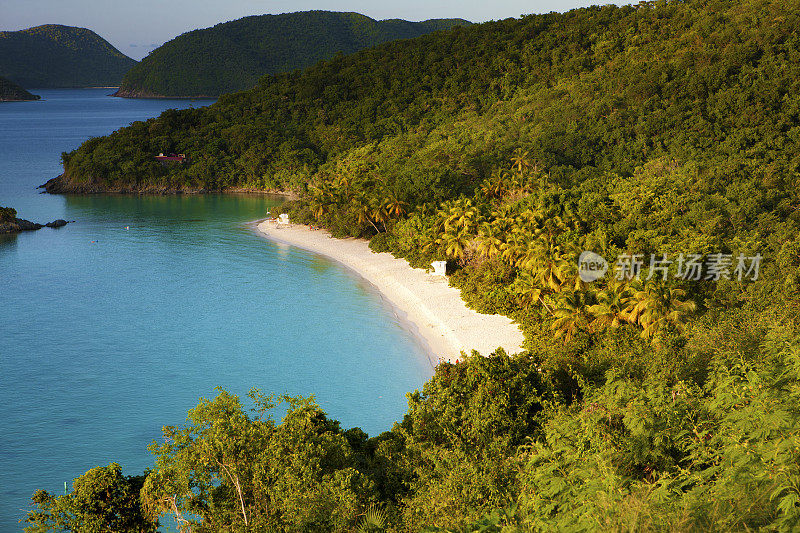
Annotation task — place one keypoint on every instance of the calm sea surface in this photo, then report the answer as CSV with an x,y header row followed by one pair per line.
x,y
116,325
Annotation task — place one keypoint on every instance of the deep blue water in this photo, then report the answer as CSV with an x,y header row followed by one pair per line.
x,y
107,333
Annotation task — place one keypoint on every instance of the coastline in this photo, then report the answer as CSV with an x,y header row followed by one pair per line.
x,y
61,184
440,316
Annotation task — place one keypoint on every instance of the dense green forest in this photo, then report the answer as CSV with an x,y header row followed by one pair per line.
x,y
60,56
232,56
663,396
11,92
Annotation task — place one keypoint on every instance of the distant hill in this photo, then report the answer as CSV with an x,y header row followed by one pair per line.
x,y
11,92
60,56
232,56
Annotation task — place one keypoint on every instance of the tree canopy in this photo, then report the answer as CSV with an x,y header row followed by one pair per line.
x,y
60,56
659,395
232,56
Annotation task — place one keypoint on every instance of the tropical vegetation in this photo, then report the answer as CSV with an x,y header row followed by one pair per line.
x,y
660,396
232,56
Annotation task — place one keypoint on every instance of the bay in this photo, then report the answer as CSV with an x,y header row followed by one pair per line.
x,y
116,324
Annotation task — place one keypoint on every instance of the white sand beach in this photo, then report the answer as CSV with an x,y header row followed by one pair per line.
x,y
441,316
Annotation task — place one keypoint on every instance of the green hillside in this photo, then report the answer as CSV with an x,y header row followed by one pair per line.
x,y
661,396
11,92
232,56
60,56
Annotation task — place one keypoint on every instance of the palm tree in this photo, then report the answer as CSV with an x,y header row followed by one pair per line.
x,y
529,291
394,206
346,173
489,242
658,306
322,199
344,180
543,257
364,211
378,213
568,269
520,160
554,226
515,246
455,244
613,306
529,221
495,186
461,214
319,207
533,223
571,314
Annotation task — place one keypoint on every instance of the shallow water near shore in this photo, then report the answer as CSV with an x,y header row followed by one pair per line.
x,y
116,324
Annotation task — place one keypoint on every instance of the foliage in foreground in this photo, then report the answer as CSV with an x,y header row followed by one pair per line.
x,y
102,500
487,445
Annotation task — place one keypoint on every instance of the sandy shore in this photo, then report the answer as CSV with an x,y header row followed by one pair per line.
x,y
437,310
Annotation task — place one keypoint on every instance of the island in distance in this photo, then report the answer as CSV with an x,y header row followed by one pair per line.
x,y
233,56
11,92
54,56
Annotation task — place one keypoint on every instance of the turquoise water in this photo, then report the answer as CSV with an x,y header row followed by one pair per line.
x,y
107,333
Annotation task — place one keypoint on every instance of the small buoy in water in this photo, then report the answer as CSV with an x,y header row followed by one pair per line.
x,y
127,227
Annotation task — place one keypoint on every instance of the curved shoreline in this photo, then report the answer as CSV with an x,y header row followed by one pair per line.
x,y
441,317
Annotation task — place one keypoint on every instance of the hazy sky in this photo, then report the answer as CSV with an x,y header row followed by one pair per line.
x,y
137,26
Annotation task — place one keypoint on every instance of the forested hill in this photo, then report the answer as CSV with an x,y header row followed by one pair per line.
x,y
60,56
590,91
659,393
232,56
11,92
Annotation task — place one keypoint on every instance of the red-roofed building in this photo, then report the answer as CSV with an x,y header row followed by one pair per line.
x,y
179,158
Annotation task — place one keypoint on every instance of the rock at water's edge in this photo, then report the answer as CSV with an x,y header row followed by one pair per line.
x,y
18,224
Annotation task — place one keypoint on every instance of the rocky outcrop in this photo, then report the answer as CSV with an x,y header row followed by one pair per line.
x,y
62,184
18,225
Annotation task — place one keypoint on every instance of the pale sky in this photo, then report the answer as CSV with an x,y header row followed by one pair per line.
x,y
137,26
